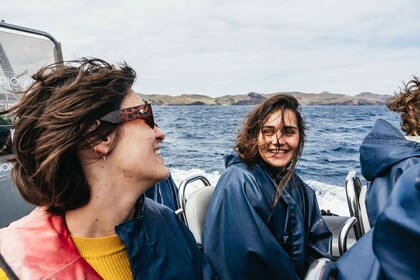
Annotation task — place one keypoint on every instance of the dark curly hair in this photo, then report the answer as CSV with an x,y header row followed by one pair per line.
x,y
53,121
246,144
407,102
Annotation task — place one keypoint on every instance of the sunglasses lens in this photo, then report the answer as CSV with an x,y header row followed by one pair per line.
x,y
150,121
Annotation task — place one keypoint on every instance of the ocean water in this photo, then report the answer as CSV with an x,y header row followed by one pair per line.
x,y
197,137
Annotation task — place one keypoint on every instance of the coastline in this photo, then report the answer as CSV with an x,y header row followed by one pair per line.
x,y
252,98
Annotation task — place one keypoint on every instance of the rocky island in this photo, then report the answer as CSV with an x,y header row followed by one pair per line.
x,y
253,98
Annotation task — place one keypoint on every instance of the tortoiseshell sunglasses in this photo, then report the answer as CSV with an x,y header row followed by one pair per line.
x,y
142,112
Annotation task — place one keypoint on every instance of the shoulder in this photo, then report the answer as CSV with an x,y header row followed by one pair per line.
x,y
299,190
244,185
40,244
243,178
298,181
157,215
244,172
157,210
32,227
37,218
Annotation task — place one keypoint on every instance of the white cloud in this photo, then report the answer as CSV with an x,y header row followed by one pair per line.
x,y
233,47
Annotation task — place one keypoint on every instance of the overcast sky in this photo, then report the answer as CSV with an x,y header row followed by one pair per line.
x,y
235,47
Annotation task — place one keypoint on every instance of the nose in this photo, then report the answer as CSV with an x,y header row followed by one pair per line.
x,y
278,139
160,135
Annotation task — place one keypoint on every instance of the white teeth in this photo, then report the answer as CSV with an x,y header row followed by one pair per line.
x,y
157,152
278,151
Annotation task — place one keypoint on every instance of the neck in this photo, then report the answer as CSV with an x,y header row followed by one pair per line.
x,y
99,217
114,193
112,202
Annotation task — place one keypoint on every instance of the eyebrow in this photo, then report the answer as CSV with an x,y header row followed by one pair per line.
x,y
284,127
290,126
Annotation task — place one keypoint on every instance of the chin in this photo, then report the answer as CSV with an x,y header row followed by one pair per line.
x,y
164,174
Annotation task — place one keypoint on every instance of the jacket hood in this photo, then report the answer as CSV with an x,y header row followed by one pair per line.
x,y
231,158
383,147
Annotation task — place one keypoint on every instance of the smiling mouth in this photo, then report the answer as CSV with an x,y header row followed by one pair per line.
x,y
277,151
157,152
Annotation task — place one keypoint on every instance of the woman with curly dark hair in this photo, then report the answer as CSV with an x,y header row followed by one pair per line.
x,y
263,221
390,162
407,103
86,148
385,152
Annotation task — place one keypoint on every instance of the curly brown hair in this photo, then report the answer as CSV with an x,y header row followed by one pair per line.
x,y
53,121
246,144
407,102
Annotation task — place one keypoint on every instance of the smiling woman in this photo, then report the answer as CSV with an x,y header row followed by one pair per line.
x,y
263,221
86,149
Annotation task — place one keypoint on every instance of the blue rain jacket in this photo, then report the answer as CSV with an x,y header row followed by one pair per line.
x,y
160,246
391,249
385,155
244,238
165,192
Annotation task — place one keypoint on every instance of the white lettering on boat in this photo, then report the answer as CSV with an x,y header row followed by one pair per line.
x,y
6,167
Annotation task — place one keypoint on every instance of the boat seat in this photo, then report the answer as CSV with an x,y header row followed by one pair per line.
x,y
364,215
336,224
194,206
319,269
355,194
196,210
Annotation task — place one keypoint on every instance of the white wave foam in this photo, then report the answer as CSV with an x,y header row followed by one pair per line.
x,y
330,197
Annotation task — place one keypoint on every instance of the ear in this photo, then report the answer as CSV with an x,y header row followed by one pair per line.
x,y
105,145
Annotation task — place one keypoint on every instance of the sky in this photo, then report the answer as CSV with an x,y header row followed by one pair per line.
x,y
224,47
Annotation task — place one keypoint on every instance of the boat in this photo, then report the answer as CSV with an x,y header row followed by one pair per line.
x,y
23,51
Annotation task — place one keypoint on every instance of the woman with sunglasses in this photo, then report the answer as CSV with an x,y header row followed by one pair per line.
x,y
86,149
263,221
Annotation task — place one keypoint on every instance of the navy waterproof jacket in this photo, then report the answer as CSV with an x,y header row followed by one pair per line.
x,y
245,238
165,192
391,249
385,155
160,246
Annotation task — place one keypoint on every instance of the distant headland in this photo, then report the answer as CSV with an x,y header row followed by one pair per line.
x,y
253,98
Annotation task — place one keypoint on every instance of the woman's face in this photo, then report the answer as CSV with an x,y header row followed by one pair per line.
x,y
278,140
136,155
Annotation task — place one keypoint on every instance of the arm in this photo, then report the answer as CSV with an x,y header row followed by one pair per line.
x,y
396,240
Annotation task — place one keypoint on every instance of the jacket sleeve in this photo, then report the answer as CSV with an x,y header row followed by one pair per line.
x,y
396,240
236,240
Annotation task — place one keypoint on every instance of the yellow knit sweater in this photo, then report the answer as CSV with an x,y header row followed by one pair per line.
x,y
107,255
3,275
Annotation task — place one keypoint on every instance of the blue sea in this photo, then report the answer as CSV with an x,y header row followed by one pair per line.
x,y
197,137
